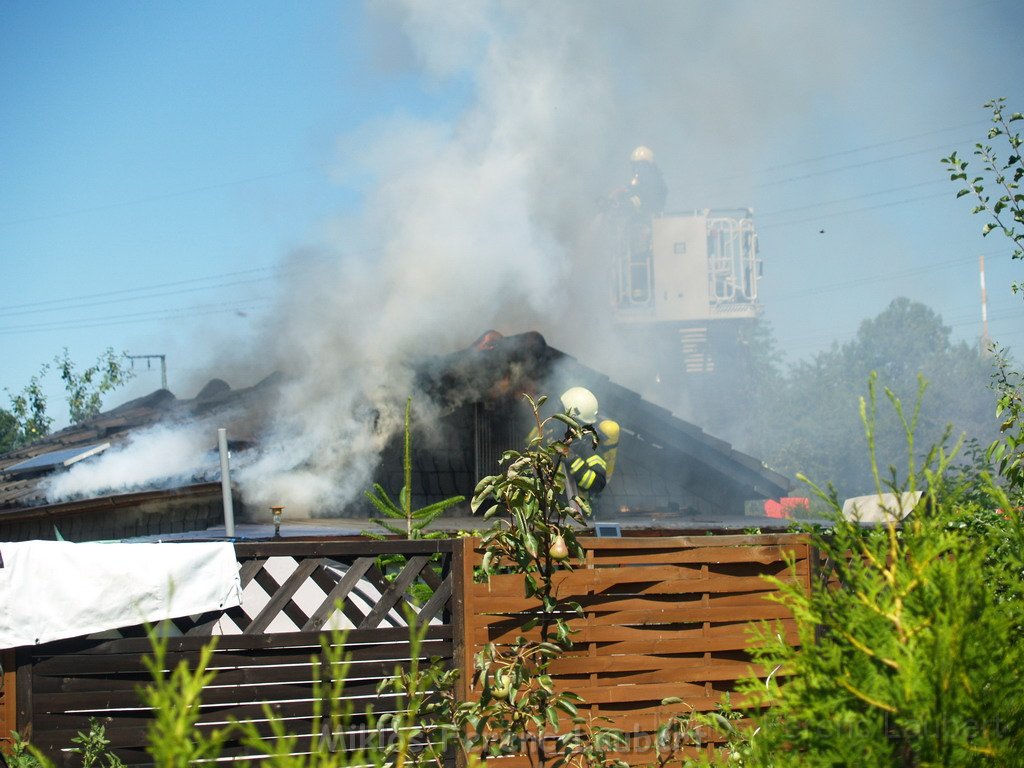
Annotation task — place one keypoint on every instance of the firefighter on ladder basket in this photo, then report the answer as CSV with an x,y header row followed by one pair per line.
x,y
647,187
638,203
589,467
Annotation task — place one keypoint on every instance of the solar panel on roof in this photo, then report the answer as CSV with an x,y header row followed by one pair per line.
x,y
62,458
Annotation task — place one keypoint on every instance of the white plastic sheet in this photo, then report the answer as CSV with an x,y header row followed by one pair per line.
x,y
51,590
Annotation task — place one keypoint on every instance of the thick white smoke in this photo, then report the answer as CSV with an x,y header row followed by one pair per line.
x,y
162,454
469,226
482,221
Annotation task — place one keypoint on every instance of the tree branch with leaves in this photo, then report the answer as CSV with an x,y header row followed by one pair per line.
x,y
1002,169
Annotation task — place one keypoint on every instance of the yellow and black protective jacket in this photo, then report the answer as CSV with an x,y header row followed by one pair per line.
x,y
591,468
588,468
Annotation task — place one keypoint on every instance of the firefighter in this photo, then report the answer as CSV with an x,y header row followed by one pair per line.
x,y
590,468
637,205
647,186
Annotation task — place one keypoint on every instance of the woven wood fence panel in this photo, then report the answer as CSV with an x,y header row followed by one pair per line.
x,y
662,617
265,652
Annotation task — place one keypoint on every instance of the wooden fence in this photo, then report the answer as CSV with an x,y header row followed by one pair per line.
x,y
662,617
265,650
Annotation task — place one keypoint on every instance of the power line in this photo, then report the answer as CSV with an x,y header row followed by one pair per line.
x,y
876,161
156,286
136,317
164,294
866,147
824,203
321,166
854,151
890,204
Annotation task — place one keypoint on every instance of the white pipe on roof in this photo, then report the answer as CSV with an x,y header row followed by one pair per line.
x,y
225,483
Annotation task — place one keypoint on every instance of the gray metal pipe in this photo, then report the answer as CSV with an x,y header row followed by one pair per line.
x,y
225,483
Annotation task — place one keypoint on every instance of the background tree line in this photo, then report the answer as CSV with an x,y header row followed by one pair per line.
x,y
804,417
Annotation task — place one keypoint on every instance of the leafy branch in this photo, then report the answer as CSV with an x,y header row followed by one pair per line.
x,y
520,709
1005,206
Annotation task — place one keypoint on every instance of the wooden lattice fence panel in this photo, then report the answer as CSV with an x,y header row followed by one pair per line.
x,y
662,617
266,648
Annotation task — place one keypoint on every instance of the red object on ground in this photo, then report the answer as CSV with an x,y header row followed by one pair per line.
x,y
783,508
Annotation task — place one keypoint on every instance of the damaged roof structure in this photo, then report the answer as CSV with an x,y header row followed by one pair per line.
x,y
670,474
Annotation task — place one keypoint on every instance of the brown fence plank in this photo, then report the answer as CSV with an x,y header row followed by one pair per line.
x,y
136,646
96,671
683,674
760,554
360,547
691,542
626,608
681,665
8,697
627,624
463,607
670,578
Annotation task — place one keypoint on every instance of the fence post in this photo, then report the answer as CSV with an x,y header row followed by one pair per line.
x,y
462,613
8,697
23,692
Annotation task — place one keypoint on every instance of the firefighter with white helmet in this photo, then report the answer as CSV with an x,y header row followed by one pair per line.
x,y
581,404
647,187
590,467
642,154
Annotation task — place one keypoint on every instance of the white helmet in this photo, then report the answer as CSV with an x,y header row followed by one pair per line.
x,y
580,403
642,154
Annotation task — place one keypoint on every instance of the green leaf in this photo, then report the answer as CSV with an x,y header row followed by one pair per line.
x,y
567,420
433,510
530,544
566,706
481,497
489,480
388,526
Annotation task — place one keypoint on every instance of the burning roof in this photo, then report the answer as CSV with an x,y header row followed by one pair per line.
x,y
470,409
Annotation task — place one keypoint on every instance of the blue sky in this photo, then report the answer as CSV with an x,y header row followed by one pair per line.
x,y
167,169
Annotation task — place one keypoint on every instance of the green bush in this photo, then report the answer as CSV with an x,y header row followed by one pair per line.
x,y
913,658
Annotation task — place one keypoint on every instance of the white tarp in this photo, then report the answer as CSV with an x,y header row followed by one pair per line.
x,y
880,507
56,589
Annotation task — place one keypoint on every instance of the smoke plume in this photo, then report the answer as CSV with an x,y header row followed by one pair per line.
x,y
486,220
162,454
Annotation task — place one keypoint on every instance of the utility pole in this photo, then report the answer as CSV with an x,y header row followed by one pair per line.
x,y
149,364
